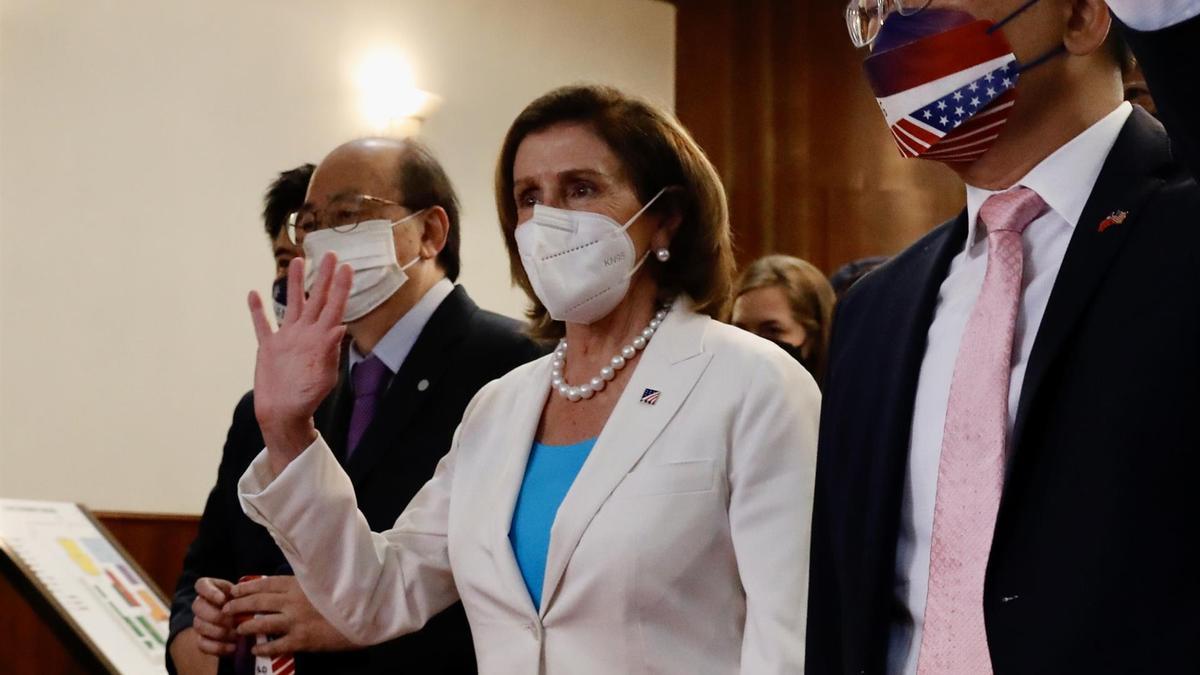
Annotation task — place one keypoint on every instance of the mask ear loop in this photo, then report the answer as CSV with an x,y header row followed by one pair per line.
x,y
1017,12
1023,67
638,266
629,223
406,266
634,220
1053,53
409,217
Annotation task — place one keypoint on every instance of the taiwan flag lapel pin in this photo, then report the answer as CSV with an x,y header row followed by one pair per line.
x,y
1116,218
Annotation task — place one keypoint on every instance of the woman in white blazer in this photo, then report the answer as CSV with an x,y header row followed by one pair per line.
x,y
636,502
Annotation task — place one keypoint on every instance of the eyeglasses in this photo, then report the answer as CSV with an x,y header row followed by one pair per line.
x,y
864,18
341,215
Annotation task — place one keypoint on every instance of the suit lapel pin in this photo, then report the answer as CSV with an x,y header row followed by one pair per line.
x,y
1116,218
650,396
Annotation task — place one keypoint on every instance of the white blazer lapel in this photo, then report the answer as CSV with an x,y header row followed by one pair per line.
x,y
670,366
519,431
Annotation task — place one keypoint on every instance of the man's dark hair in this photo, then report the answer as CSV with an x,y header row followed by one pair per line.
x,y
1120,49
285,196
424,184
850,273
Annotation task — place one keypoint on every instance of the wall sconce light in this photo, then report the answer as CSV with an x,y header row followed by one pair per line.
x,y
390,100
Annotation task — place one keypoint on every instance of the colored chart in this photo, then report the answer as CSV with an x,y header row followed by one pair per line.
x,y
100,593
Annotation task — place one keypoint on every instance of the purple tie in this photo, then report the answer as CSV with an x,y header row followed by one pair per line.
x,y
971,468
368,378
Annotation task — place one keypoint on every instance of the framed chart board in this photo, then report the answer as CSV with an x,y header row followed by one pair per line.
x,y
71,565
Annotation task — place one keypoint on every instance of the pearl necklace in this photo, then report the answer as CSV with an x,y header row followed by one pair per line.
x,y
597,384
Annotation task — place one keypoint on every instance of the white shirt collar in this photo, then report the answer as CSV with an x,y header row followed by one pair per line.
x,y
1065,179
395,345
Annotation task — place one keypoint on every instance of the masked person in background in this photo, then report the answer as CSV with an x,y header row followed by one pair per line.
x,y
209,554
638,501
284,198
1006,480
418,350
787,301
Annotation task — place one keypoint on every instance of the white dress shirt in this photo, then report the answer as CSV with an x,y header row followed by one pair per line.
x,y
395,344
1065,181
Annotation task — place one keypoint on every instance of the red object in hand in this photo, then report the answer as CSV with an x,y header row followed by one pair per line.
x,y
239,619
265,665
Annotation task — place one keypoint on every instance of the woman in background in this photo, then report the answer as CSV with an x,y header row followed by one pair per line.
x,y
787,301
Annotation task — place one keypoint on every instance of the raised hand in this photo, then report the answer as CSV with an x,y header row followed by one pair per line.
x,y
297,365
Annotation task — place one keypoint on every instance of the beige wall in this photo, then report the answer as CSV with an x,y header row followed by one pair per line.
x,y
137,138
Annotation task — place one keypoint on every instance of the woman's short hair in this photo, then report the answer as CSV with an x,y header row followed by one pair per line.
x,y
656,152
809,296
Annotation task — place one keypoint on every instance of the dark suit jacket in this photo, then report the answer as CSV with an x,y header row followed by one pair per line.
x,y
1093,566
461,348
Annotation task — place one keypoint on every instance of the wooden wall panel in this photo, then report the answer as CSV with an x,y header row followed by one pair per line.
x,y
156,541
774,92
29,643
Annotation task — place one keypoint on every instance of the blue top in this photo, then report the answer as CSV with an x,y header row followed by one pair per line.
x,y
548,476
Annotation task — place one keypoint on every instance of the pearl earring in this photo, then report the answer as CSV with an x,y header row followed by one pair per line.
x,y
662,254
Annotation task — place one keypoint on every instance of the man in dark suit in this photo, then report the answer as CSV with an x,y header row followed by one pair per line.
x,y
1008,454
417,351
284,197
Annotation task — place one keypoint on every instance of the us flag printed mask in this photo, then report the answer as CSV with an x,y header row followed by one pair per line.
x,y
946,82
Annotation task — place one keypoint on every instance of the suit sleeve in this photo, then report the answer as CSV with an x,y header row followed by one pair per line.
x,y
513,347
371,586
211,553
825,617
771,467
1166,55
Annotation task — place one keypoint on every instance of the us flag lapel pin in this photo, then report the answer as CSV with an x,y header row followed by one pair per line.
x,y
1116,218
650,396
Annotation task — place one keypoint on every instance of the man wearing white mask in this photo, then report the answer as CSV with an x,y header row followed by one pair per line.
x,y
418,350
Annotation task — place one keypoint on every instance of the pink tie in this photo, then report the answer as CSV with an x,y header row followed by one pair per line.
x,y
971,469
